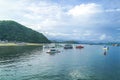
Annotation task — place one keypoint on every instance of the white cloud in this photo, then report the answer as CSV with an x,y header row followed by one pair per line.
x,y
43,10
88,33
84,9
112,10
102,37
57,34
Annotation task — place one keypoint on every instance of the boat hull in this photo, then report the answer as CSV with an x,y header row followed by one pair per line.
x,y
79,47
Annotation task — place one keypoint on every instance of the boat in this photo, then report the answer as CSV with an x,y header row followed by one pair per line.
x,y
53,51
105,48
68,46
79,47
116,44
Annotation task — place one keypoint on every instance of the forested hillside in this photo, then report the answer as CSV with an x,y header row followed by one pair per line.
x,y
13,31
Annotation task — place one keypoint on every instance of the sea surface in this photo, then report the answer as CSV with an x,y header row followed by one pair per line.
x,y
33,63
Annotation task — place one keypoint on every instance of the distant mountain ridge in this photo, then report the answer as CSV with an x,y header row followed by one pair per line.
x,y
13,31
85,42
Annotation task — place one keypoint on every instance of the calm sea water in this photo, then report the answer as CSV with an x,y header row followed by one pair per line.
x,y
33,63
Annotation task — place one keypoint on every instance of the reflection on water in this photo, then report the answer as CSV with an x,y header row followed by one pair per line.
x,y
33,63
53,54
105,53
17,51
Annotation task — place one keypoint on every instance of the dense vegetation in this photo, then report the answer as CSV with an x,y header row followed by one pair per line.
x,y
13,31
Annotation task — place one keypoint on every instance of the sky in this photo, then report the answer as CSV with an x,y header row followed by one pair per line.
x,y
92,20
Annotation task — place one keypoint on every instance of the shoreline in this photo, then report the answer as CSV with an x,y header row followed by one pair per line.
x,y
20,44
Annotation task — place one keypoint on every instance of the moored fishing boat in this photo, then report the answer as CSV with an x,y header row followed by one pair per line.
x,y
79,47
68,46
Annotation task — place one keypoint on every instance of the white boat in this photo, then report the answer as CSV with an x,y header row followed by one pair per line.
x,y
53,51
106,48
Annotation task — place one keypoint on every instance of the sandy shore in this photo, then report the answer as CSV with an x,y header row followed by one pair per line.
x,y
20,44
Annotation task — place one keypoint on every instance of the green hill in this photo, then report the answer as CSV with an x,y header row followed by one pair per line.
x,y
13,31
